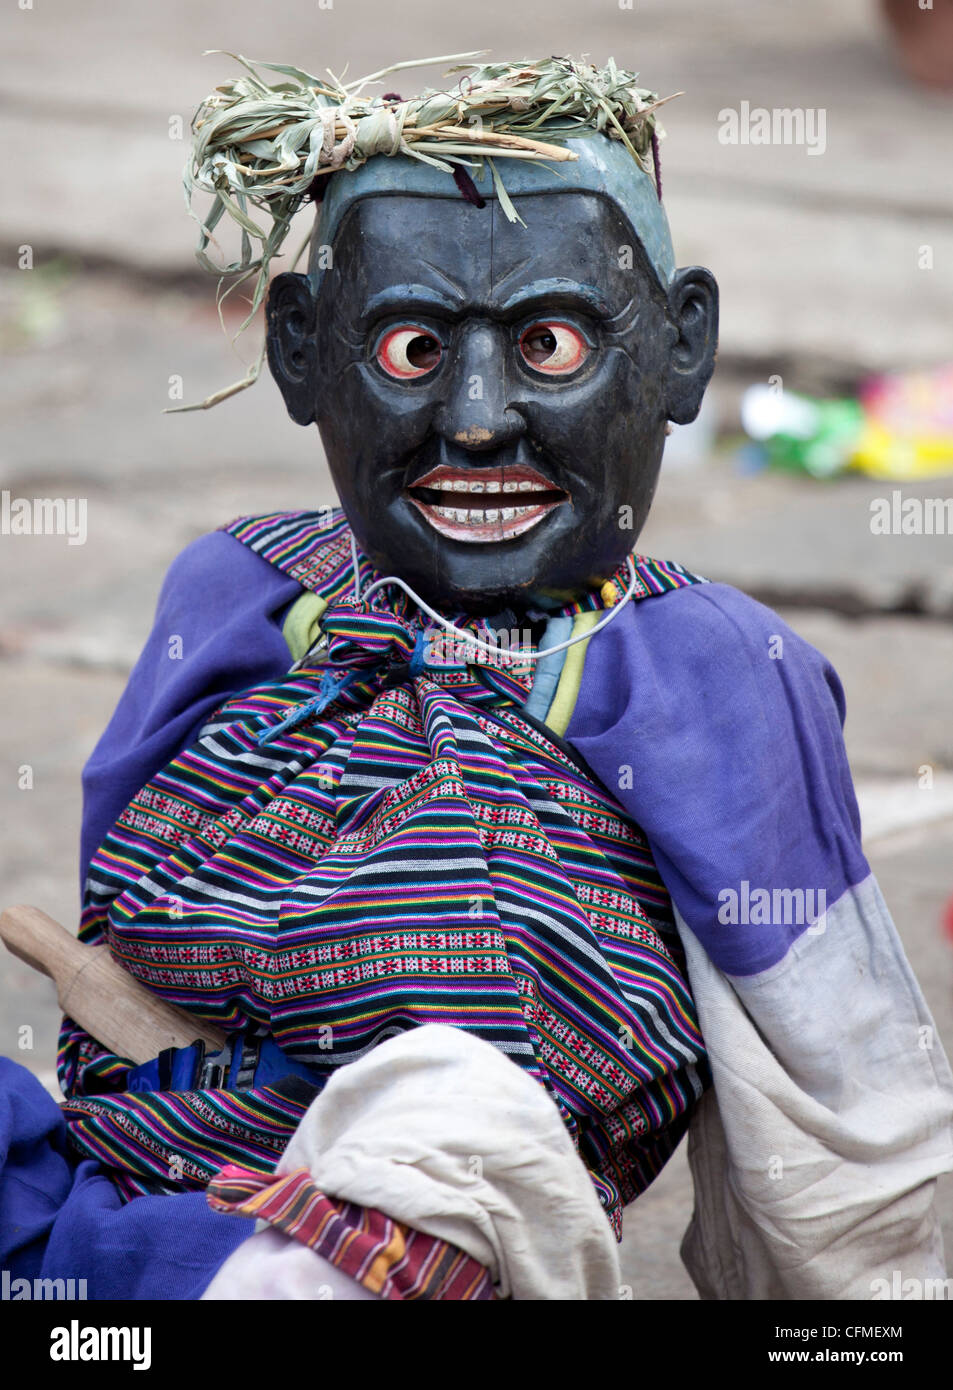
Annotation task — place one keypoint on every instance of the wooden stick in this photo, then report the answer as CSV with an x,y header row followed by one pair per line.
x,y
92,987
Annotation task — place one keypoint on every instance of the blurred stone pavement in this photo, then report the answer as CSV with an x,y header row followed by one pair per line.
x,y
818,262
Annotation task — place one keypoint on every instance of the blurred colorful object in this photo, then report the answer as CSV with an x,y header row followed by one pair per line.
x,y
923,35
901,427
948,918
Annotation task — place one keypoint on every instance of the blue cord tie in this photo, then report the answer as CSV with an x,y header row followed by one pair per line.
x,y
418,660
330,688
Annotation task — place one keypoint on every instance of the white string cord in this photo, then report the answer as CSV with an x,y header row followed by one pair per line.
x,y
356,568
467,639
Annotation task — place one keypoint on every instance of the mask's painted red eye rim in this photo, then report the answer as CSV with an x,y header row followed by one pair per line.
x,y
577,348
392,345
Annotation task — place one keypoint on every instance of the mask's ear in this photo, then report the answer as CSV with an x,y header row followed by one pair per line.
x,y
693,310
290,314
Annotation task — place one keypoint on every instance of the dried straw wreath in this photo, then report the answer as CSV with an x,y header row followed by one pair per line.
x,y
267,146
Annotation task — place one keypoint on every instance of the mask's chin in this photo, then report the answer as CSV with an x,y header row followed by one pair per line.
x,y
469,529
479,578
550,535
548,562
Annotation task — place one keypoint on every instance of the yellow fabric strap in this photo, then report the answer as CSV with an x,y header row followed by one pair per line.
x,y
567,691
302,626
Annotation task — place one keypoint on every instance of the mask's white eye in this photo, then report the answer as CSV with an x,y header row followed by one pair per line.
x,y
408,351
554,347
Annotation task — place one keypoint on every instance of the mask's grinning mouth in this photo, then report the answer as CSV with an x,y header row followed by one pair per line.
x,y
485,504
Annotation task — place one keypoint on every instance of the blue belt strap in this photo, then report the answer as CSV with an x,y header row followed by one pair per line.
x,y
247,1060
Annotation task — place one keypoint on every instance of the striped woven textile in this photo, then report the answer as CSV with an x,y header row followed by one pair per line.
x,y
407,850
385,1256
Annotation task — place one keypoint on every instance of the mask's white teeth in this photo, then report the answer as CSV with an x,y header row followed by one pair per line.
x,y
464,485
475,516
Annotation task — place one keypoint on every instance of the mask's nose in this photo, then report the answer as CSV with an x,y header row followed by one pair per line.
x,y
475,412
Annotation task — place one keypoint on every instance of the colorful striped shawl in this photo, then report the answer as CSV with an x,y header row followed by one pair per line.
x,y
385,1256
413,851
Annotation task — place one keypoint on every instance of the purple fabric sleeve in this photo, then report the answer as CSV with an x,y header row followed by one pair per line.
x,y
63,1219
217,630
719,730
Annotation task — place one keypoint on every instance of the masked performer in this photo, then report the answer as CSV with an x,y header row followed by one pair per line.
x,y
501,852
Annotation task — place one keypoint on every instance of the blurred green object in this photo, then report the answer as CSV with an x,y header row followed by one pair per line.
x,y
901,427
801,434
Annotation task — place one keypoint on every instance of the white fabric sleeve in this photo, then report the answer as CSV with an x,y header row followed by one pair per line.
x,y
442,1132
815,1160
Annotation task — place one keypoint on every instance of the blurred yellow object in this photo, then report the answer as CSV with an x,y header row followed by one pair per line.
x,y
880,453
908,425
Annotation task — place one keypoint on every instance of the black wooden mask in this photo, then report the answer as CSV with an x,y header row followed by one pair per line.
x,y
492,398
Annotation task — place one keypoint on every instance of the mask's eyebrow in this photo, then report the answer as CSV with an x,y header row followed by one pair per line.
x,y
561,293
398,299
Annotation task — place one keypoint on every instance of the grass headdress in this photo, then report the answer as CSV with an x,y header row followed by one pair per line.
x,y
263,148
